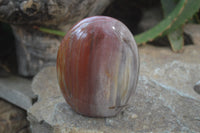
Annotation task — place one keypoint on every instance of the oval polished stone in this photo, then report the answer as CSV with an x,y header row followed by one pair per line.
x,y
97,66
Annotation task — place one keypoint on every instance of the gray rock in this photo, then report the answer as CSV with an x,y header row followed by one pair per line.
x,y
12,119
193,31
17,91
36,50
197,87
49,12
164,101
179,72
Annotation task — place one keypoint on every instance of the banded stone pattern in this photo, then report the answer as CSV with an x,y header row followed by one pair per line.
x,y
97,66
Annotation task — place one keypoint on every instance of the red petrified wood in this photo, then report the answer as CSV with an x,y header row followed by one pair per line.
x,y
97,66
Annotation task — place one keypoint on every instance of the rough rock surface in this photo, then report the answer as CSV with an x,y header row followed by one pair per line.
x,y
12,119
178,71
36,50
193,31
49,12
17,90
164,101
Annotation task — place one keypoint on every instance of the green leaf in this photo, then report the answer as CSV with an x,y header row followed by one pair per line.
x,y
184,10
176,37
176,40
50,31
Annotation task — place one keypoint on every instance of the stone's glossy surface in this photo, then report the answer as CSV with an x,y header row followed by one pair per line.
x,y
97,66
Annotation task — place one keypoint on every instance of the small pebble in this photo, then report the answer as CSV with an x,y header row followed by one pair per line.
x,y
197,87
109,122
133,116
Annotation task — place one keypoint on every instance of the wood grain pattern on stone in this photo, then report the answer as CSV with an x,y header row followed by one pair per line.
x,y
12,119
98,66
164,101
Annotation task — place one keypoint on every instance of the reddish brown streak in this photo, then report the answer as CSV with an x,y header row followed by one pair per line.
x,y
88,65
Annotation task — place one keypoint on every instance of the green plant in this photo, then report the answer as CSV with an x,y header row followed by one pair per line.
x,y
176,13
175,37
175,18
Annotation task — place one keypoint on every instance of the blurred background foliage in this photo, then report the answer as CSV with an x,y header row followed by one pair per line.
x,y
176,13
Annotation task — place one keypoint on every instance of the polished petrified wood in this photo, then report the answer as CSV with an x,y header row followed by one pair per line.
x,y
97,66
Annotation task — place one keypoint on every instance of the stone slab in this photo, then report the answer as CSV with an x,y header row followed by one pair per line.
x,y
177,71
12,119
164,101
17,90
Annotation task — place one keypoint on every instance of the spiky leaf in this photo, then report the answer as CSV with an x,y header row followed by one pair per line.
x,y
184,10
175,37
